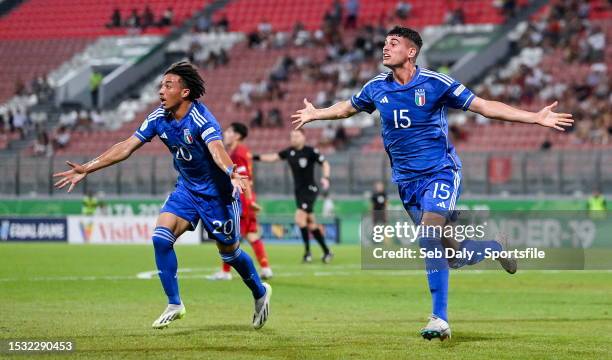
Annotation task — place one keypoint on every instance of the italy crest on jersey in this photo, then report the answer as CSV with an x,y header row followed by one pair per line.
x,y
187,136
419,97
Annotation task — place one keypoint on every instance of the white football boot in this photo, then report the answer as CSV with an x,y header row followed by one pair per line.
x,y
436,328
266,273
220,275
172,312
262,308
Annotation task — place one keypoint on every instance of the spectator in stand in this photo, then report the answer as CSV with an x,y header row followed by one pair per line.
x,y
257,119
20,122
327,136
167,18
403,9
454,17
133,21
340,138
115,20
84,121
94,86
352,12
596,41
69,119
10,121
61,138
96,119
275,118
223,23
42,146
203,23
148,18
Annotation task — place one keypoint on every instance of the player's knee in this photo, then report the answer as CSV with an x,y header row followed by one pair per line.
x,y
229,256
163,238
227,248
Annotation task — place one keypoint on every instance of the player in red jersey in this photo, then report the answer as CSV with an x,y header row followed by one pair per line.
x,y
233,137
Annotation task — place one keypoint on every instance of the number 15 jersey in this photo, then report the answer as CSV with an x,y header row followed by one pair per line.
x,y
414,127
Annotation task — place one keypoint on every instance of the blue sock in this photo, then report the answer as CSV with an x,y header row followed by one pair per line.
x,y
165,258
437,276
243,264
478,247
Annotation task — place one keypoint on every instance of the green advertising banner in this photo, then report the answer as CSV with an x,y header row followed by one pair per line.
x,y
349,211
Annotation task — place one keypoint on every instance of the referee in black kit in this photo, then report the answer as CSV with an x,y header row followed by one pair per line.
x,y
301,159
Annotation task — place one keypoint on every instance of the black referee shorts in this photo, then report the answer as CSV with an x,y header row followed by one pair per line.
x,y
305,198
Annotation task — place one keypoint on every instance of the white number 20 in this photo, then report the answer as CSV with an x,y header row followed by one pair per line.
x,y
403,121
226,227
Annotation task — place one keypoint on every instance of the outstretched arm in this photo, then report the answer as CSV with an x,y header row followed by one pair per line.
x,y
271,157
223,160
337,111
545,117
113,155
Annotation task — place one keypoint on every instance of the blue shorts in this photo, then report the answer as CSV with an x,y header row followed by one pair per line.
x,y
220,217
437,192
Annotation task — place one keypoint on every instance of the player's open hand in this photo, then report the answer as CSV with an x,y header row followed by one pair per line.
x,y
304,116
72,176
325,183
255,207
239,182
547,117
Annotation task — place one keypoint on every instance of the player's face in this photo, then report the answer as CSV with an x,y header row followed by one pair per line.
x,y
230,136
171,92
397,51
297,139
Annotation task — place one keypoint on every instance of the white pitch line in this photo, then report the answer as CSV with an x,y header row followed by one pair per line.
x,y
190,273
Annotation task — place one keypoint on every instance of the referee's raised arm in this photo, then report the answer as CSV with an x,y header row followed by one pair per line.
x,y
269,157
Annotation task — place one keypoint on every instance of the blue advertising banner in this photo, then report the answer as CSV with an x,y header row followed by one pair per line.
x,y
282,229
33,229
285,230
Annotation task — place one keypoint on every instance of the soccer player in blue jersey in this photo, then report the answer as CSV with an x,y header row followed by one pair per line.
x,y
207,188
413,102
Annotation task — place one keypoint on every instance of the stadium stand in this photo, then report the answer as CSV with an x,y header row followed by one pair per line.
x,y
240,74
38,36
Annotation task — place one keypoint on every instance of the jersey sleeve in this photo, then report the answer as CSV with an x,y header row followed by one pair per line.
x,y
147,131
362,101
317,156
458,96
210,131
284,154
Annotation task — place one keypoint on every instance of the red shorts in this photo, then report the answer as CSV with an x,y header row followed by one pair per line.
x,y
248,224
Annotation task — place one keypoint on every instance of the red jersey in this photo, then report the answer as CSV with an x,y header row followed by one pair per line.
x,y
241,156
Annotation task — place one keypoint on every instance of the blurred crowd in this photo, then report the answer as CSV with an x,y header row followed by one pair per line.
x,y
565,37
140,20
339,64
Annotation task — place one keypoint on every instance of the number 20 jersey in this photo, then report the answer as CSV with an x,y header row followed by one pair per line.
x,y
187,140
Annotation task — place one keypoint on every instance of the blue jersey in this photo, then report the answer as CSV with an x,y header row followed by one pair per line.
x,y
413,120
187,140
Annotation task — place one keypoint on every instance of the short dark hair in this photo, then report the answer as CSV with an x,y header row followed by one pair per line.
x,y
190,77
241,129
409,34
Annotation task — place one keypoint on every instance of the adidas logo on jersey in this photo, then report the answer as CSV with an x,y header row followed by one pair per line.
x,y
441,204
384,100
164,136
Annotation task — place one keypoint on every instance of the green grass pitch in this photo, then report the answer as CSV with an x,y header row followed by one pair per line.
x,y
91,295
